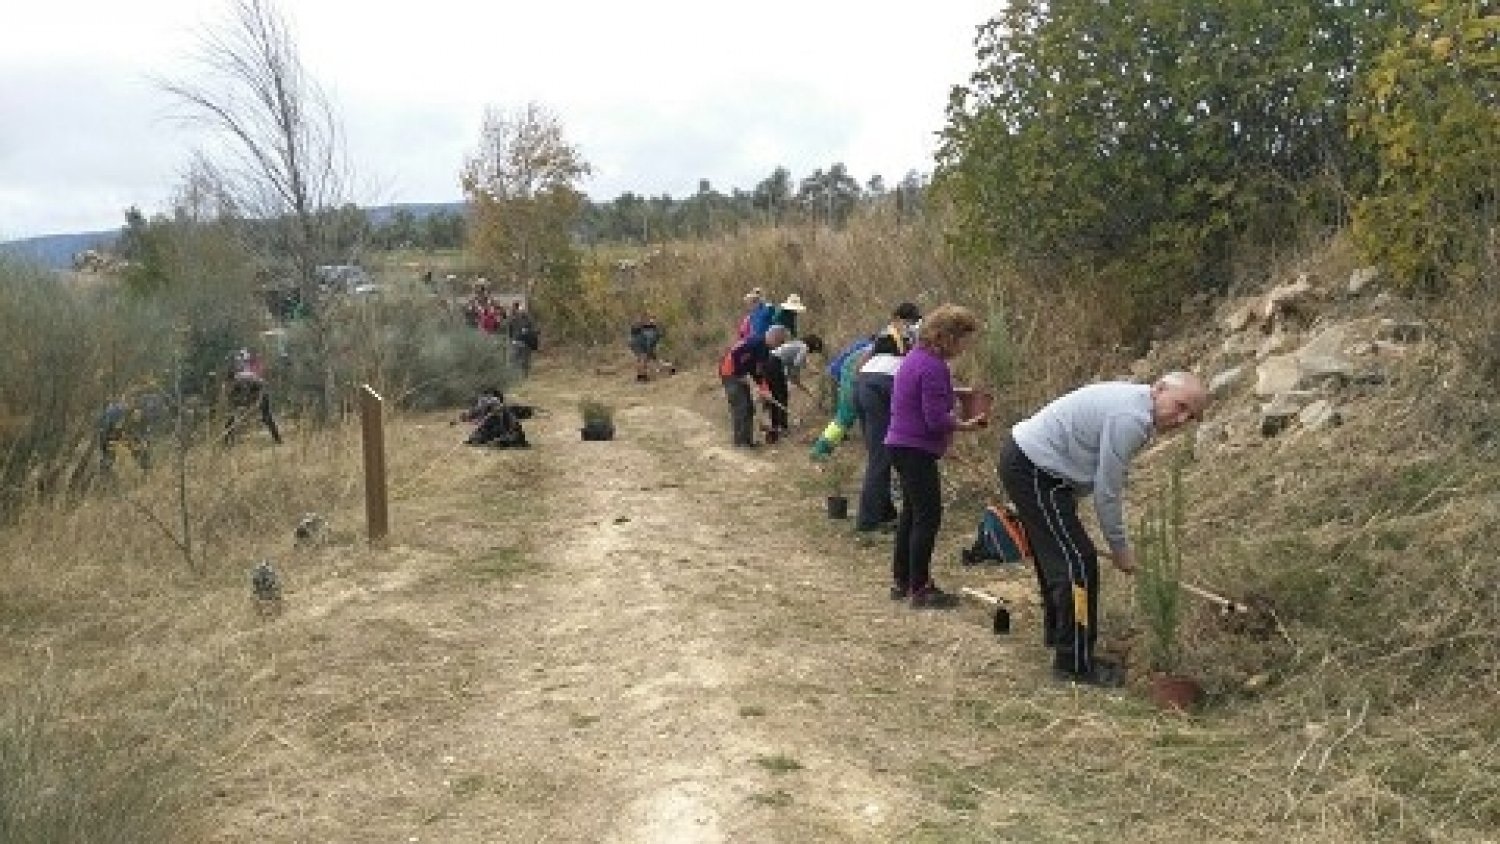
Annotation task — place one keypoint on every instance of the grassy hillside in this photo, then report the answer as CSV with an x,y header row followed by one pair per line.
x,y
147,696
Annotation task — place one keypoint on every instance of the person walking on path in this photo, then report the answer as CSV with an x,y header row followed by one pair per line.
x,y
645,336
524,338
743,369
872,399
246,392
923,419
1080,443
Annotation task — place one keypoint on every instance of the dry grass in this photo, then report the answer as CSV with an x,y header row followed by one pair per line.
x,y
139,687
1367,716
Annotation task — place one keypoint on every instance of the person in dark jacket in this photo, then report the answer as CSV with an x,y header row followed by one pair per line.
x,y
743,373
496,423
645,336
872,401
923,419
247,392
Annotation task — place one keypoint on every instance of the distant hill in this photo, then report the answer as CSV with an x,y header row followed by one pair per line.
x,y
56,251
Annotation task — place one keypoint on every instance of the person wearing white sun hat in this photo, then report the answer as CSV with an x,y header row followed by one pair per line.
x,y
784,314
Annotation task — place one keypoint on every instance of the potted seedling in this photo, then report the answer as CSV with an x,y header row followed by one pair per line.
x,y
836,476
1159,599
598,420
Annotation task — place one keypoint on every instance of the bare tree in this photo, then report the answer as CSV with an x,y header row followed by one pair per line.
x,y
283,162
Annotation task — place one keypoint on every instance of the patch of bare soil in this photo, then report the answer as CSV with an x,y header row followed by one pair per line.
x,y
654,639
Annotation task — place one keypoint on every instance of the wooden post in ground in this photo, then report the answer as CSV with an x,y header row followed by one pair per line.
x,y
377,523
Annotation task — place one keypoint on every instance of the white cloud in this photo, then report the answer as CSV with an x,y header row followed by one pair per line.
x,y
657,93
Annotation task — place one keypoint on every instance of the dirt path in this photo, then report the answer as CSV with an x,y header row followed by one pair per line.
x,y
655,639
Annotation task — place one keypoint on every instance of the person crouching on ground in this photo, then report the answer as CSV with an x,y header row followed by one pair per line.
x,y
923,419
743,369
1079,443
496,423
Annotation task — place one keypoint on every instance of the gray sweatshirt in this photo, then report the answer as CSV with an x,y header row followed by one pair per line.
x,y
1087,438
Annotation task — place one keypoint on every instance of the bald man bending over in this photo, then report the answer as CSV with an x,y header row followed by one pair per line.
x,y
1080,443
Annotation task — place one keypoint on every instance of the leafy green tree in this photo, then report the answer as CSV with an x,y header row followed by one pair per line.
x,y
1430,105
1139,141
773,194
829,196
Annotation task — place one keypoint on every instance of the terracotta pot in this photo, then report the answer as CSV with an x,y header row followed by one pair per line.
x,y
1175,691
972,402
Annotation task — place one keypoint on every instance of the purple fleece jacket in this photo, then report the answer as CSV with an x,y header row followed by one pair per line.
x,y
922,404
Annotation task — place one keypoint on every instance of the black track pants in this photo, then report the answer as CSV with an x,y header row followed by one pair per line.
x,y
1067,564
921,516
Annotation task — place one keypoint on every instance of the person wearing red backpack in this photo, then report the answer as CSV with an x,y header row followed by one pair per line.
x,y
743,370
246,392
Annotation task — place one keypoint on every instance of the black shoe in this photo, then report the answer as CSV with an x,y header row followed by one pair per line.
x,y
933,598
899,593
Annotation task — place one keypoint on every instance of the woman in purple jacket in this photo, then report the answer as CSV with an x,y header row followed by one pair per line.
x,y
923,419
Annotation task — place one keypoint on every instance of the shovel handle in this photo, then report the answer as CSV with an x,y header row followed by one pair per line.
x,y
1225,603
982,597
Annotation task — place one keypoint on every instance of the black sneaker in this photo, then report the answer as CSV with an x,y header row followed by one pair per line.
x,y
933,598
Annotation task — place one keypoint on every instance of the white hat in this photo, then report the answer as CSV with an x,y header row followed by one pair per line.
x,y
793,303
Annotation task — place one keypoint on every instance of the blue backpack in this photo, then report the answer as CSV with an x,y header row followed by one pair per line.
x,y
1001,537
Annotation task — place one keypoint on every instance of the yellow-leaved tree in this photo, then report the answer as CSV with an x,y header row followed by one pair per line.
x,y
522,188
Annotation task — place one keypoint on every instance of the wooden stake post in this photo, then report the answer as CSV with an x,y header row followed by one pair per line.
x,y
377,522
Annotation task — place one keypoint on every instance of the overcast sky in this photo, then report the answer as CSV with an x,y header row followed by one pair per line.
x,y
657,93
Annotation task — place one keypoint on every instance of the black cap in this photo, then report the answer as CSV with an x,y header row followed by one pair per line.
x,y
907,311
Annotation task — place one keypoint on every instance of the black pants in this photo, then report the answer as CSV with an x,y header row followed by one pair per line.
x,y
1067,565
921,516
872,401
242,399
741,410
780,391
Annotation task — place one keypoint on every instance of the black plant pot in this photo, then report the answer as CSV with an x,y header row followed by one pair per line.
x,y
838,507
597,432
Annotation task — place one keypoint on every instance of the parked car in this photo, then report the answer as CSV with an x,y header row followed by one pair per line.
x,y
344,278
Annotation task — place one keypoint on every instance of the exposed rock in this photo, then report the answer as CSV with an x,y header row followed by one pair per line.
x,y
1286,298
1276,374
1237,347
1322,358
1319,415
1220,384
1382,300
1402,331
1240,317
1362,278
1362,349
1278,341
1277,417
